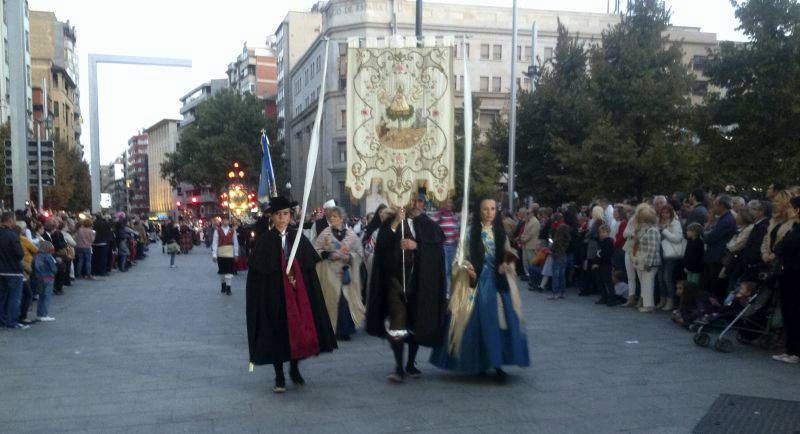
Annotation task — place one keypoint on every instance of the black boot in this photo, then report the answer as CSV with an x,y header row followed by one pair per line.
x,y
228,290
411,369
294,374
399,374
500,376
280,379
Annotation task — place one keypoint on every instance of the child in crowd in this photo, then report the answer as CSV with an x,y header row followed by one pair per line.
x,y
558,256
45,268
620,285
603,268
693,255
694,303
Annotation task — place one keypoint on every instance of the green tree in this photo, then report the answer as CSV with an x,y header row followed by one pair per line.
x,y
227,128
757,119
72,188
639,84
485,169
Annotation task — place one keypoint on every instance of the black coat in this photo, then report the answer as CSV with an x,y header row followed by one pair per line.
x,y
267,329
425,286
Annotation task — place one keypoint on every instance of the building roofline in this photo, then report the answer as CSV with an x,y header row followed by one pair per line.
x,y
157,124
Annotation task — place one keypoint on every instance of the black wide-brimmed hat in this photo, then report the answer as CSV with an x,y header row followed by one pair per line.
x,y
279,203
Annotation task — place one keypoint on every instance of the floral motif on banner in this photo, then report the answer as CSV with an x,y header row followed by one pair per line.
x,y
400,121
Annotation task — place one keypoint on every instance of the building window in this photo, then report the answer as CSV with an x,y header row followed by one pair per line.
x,y
484,51
527,53
251,69
460,83
484,84
461,51
699,63
519,53
55,109
344,119
496,84
341,151
548,53
498,52
700,88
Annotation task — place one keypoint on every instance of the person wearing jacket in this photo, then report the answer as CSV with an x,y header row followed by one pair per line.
x,y
783,218
672,246
529,241
101,249
716,238
647,255
45,268
629,234
11,274
750,256
29,249
787,252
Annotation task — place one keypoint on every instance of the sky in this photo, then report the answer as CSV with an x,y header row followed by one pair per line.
x,y
132,98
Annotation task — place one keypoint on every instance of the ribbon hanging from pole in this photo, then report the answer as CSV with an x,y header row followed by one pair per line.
x,y
266,184
462,239
311,163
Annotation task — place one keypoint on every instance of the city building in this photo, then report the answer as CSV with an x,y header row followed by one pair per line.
x,y
488,49
254,71
5,78
295,34
54,64
113,181
162,139
136,175
193,98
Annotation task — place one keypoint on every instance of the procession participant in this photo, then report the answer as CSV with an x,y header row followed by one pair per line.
x,y
407,287
342,255
324,221
488,333
224,248
286,315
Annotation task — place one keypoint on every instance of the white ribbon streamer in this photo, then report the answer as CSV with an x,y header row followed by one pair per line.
x,y
311,163
462,239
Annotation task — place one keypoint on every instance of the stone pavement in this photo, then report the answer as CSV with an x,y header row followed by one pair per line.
x,y
161,350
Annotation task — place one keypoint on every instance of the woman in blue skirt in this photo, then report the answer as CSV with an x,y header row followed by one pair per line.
x,y
485,314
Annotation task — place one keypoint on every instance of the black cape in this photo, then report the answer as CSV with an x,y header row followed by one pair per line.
x,y
425,287
267,330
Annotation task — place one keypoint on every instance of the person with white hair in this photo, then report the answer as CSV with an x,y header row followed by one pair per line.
x,y
323,222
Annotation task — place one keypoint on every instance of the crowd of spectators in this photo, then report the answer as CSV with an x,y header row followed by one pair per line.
x,y
691,257
43,253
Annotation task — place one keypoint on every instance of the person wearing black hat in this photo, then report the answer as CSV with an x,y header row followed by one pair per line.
x,y
287,320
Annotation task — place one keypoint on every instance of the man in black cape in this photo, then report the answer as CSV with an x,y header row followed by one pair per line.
x,y
414,311
286,315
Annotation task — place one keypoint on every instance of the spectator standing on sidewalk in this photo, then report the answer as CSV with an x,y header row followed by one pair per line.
x,y
11,255
84,240
451,226
45,269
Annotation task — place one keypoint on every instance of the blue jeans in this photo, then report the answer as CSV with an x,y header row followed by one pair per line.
x,y
667,276
10,297
172,258
559,283
123,261
449,256
83,262
43,308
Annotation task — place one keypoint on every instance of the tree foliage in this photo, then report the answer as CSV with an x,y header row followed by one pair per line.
x,y
485,169
72,190
757,118
227,128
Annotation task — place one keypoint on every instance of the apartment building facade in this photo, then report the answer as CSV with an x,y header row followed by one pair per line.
x,y
162,138
136,175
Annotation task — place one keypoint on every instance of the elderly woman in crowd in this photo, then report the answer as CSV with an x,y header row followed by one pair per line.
x,y
342,254
647,254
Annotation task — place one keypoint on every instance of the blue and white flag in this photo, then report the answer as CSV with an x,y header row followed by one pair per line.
x,y
266,185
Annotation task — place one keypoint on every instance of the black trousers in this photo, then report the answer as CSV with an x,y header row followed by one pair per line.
x,y
25,301
603,281
790,308
100,255
62,275
711,281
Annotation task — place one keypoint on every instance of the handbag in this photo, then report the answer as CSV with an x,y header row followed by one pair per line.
x,y
173,247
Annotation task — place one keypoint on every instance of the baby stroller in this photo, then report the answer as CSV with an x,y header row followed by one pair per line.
x,y
754,323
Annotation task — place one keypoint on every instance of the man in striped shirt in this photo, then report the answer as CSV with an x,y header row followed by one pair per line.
x,y
451,226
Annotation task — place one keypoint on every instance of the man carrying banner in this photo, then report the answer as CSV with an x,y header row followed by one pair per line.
x,y
407,295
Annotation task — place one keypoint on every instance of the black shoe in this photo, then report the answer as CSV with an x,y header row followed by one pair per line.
x,y
397,377
602,300
413,372
344,338
228,290
222,285
500,376
297,379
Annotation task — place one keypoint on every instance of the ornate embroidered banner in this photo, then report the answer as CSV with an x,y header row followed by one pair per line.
x,y
400,118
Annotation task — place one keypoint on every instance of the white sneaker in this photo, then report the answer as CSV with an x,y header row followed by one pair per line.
x,y
780,357
791,359
46,318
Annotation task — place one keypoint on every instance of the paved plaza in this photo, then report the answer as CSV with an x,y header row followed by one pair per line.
x,y
161,350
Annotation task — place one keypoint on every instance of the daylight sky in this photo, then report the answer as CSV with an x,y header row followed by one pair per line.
x,y
211,35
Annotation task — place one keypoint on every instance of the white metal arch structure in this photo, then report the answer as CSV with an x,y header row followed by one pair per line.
x,y
94,133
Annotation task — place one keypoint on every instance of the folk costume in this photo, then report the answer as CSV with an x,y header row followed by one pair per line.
x,y
342,256
224,249
412,312
285,321
485,316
